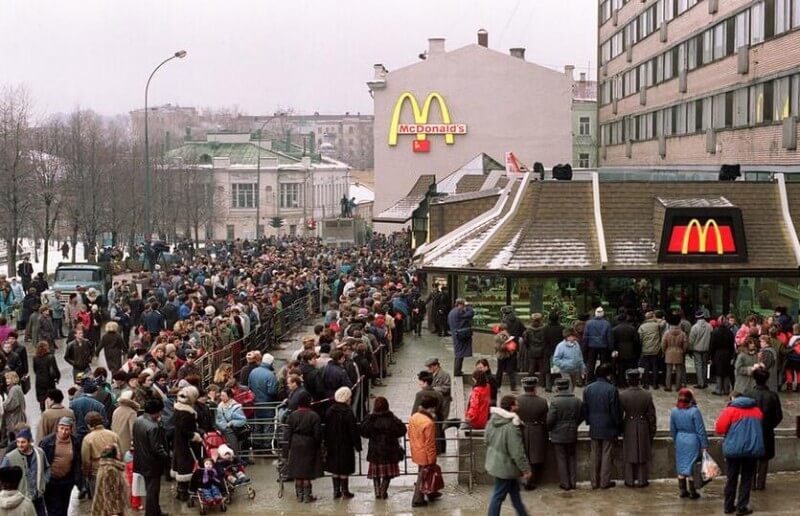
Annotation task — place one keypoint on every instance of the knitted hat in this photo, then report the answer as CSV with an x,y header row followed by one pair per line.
x,y
343,395
267,359
25,433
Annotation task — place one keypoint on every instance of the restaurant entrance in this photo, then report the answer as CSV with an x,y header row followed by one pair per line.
x,y
690,295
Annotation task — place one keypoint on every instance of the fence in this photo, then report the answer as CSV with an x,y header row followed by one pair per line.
x,y
273,328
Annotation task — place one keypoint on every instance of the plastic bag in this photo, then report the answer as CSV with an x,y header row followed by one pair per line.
x,y
709,468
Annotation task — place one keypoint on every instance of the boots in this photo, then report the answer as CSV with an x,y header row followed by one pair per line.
x,y
693,494
682,486
385,487
298,491
376,484
307,496
182,491
345,482
337,487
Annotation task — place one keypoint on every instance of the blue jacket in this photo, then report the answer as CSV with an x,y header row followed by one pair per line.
x,y
740,423
263,383
230,416
602,410
569,358
184,311
81,406
597,334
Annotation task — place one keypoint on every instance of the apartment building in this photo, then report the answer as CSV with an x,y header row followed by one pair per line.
x,y
690,85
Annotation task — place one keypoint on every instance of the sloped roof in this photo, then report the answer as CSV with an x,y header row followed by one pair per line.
x,y
403,209
245,153
480,166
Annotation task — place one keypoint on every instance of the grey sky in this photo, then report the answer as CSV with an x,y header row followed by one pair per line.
x,y
313,55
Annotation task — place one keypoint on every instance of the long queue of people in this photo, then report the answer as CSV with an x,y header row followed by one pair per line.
x,y
149,403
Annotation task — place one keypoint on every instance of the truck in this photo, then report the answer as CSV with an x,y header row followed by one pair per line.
x,y
69,276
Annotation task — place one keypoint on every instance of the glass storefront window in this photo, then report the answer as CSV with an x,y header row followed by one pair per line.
x,y
487,295
755,295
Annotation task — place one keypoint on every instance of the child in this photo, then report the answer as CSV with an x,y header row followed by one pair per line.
x,y
210,482
230,466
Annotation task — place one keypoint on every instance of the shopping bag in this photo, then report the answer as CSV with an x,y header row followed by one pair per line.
x,y
138,486
432,479
709,469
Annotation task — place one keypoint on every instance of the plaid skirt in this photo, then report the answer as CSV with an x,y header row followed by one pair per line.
x,y
383,470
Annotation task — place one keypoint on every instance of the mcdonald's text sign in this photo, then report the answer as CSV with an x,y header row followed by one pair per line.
x,y
421,127
713,235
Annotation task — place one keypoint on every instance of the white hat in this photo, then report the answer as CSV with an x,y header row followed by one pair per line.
x,y
267,359
210,311
224,449
343,395
599,312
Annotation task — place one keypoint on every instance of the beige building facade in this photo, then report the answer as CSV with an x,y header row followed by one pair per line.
x,y
690,85
470,100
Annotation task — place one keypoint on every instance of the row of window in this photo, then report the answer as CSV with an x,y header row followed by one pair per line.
x,y
750,27
766,102
245,195
641,26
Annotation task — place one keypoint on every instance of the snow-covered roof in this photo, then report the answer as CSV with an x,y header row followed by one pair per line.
x,y
362,193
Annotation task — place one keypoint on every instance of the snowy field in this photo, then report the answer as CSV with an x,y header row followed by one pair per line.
x,y
52,260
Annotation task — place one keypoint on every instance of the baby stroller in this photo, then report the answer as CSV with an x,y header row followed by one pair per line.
x,y
230,468
199,492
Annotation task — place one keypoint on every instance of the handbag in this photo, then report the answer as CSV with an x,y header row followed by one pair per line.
x,y
432,479
25,384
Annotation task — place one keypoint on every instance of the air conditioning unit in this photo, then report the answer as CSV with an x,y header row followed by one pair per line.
x,y
713,6
662,33
743,60
629,54
683,80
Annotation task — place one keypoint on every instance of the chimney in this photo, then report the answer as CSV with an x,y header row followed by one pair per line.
x,y
583,76
519,53
380,71
483,38
568,71
435,46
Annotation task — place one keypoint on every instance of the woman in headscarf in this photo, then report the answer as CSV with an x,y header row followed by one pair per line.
x,y
689,435
383,429
111,491
114,345
341,441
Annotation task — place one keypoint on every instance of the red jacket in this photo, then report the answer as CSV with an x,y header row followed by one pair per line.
x,y
478,407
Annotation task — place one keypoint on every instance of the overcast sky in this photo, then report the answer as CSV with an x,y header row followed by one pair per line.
x,y
312,55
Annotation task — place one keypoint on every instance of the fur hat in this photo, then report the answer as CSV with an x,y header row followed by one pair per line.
x,y
188,395
343,395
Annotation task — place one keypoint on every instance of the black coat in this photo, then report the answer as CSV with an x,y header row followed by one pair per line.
x,y
639,428
721,351
46,374
552,334
563,418
601,410
183,460
341,439
533,413
115,348
151,454
383,430
304,438
626,341
770,404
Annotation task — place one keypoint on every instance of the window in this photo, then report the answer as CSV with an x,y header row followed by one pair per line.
x,y
742,30
605,11
720,41
680,119
583,160
723,107
693,121
708,46
740,107
795,13
707,112
584,126
783,15
781,95
243,195
795,103
757,23
691,52
757,103
670,64
669,116
291,195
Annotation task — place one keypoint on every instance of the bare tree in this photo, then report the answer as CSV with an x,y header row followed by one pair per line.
x,y
15,201
48,175
197,200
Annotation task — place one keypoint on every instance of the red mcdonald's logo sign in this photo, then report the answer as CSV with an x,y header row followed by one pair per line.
x,y
706,238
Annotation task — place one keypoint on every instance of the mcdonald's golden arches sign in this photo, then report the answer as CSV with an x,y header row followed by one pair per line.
x,y
422,127
703,235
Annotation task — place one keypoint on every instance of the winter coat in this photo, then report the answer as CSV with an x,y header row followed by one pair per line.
x,y
442,384
45,374
79,354
674,343
534,342
626,341
150,444
383,430
770,404
14,503
460,324
334,376
532,411
769,358
422,438
568,358
477,413
34,472
304,440
115,347
341,439
740,424
688,432
744,372
428,391
13,408
82,405
93,445
552,334
122,422
650,337
563,418
49,419
639,424
111,489
230,415
48,446
721,351
505,451
700,336
263,383
47,331
597,334
500,349
601,410
184,449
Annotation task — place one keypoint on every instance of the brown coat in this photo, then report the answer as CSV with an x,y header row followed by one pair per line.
x,y
92,447
639,424
111,493
122,423
49,420
674,343
422,438
532,410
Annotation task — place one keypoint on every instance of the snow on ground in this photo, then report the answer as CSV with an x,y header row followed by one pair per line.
x,y
52,260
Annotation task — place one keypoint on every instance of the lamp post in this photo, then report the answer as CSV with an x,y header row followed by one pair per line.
x,y
180,54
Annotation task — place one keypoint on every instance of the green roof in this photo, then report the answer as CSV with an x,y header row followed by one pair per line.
x,y
244,153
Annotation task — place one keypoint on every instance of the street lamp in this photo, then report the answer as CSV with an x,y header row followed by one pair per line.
x,y
180,54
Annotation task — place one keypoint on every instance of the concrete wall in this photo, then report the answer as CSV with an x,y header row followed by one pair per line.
x,y
507,103
445,218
